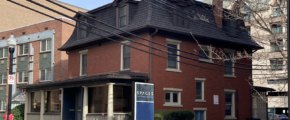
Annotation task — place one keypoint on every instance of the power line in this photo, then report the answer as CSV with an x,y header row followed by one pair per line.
x,y
125,44
88,25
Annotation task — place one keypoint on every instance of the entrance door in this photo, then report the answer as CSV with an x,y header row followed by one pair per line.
x,y
79,104
72,104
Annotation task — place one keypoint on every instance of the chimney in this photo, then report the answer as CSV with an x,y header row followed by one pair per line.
x,y
218,12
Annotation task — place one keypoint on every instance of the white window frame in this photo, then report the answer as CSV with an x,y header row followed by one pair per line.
x,y
44,75
19,53
22,77
83,52
4,53
202,89
174,42
3,104
232,116
78,30
45,45
171,103
205,48
122,47
201,109
1,75
232,52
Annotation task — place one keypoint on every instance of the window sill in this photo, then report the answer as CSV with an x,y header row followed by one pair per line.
x,y
3,58
172,105
3,84
51,113
44,52
230,76
45,81
198,100
125,69
22,55
21,82
173,70
230,118
206,60
35,113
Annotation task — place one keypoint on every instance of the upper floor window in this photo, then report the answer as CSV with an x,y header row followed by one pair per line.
x,y
45,45
3,52
276,64
199,90
205,54
229,68
82,33
122,16
173,58
83,62
233,26
22,77
276,29
45,74
2,105
3,78
274,47
180,19
125,56
276,12
23,49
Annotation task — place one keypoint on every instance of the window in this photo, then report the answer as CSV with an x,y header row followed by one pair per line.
x,y
247,10
3,78
83,62
276,12
172,64
52,101
3,52
229,103
122,100
276,64
98,102
229,68
23,49
45,45
199,113
274,47
122,17
199,90
45,75
180,19
233,32
248,16
172,97
2,105
276,29
22,77
35,101
205,54
277,81
82,33
248,30
125,56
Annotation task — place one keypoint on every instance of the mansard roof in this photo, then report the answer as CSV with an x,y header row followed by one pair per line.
x,y
144,15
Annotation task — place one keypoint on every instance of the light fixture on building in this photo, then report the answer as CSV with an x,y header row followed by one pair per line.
x,y
11,42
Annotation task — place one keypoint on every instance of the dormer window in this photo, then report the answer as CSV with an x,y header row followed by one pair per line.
x,y
231,27
122,16
82,33
180,20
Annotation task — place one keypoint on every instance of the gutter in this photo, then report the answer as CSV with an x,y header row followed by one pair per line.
x,y
150,69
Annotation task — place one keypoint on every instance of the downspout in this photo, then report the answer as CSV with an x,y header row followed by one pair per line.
x,y
150,69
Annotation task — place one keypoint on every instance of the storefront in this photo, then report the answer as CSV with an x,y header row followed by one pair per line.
x,y
107,96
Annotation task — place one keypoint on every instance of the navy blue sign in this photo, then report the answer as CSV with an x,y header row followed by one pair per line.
x,y
144,101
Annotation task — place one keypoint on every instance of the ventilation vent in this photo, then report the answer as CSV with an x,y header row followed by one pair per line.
x,y
46,28
23,33
3,38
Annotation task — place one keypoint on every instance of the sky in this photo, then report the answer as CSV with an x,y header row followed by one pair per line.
x,y
87,4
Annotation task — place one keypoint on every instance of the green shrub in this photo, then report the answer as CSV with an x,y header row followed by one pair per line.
x,y
179,115
18,112
157,117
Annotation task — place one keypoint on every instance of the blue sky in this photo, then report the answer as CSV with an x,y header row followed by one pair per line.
x,y
87,4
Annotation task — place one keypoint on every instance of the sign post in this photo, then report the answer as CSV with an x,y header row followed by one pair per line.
x,y
143,101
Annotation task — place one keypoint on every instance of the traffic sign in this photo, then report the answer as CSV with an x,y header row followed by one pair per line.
x,y
11,79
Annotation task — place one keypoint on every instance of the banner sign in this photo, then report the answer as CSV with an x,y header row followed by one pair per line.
x,y
144,101
11,79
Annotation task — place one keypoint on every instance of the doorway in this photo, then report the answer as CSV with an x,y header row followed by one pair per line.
x,y
72,103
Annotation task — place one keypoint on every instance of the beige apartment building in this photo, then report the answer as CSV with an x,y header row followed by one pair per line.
x,y
14,16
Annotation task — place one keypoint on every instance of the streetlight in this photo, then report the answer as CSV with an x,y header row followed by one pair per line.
x,y
11,42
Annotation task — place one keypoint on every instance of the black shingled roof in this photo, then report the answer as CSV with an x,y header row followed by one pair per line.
x,y
145,15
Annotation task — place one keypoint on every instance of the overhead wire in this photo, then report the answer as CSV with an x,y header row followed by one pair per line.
x,y
126,44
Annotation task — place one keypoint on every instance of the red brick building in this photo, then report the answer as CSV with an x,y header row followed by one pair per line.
x,y
101,72
36,58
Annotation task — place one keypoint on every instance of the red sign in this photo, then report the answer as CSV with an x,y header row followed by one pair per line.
x,y
11,117
103,114
11,79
